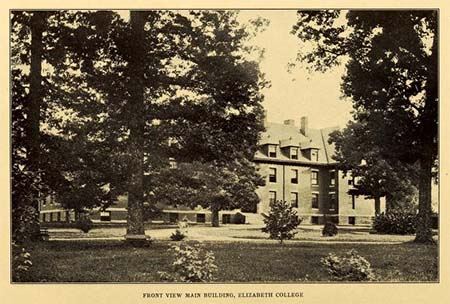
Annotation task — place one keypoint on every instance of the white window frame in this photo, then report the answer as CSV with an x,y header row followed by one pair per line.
x,y
317,179
315,193
275,174
275,196
292,154
335,200
274,148
332,180
296,199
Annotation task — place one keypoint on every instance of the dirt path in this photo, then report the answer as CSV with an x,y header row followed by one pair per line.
x,y
201,234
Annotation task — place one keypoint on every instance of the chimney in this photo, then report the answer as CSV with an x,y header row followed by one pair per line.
x,y
289,122
304,125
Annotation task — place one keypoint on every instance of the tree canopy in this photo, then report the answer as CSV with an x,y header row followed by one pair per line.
x,y
122,97
391,77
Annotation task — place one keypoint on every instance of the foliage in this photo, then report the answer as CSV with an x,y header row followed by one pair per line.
x,y
25,224
190,264
348,267
397,221
210,185
152,212
84,223
177,235
391,76
238,261
375,175
21,262
184,82
329,229
281,221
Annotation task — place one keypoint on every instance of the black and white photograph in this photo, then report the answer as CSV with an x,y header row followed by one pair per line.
x,y
217,146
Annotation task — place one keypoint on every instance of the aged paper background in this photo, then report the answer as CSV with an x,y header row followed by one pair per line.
x,y
313,293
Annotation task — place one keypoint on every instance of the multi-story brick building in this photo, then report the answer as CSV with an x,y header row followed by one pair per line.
x,y
298,166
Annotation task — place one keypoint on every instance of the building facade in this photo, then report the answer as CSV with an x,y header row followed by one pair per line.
x,y
298,167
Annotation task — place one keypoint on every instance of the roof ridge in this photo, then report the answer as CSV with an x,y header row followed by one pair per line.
x,y
324,146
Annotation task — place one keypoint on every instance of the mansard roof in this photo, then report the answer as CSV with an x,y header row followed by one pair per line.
x,y
284,135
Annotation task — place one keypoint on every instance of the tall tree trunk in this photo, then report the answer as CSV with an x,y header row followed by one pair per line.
x,y
135,221
389,203
33,110
377,204
428,136
215,217
423,232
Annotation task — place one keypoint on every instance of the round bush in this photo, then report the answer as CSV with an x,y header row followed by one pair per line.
x,y
348,267
395,222
177,235
329,229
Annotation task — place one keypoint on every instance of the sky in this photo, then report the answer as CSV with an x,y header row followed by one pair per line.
x,y
293,95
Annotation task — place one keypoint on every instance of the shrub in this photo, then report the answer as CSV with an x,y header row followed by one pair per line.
x,y
281,221
21,262
25,224
84,223
329,229
397,221
177,235
190,264
348,267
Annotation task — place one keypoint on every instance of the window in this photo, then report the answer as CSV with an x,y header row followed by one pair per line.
x,y
172,164
173,217
314,177
226,218
351,220
314,155
294,153
272,151
105,216
315,201
314,220
272,196
350,182
353,202
294,178
294,199
272,175
332,201
201,218
332,178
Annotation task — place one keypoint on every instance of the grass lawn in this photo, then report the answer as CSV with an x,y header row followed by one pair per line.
x,y
115,261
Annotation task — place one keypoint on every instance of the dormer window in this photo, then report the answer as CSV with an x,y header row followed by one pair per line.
x,y
272,151
294,153
314,155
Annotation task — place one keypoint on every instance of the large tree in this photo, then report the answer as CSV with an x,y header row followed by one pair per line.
x,y
27,99
214,133
123,96
391,77
58,142
209,185
373,175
